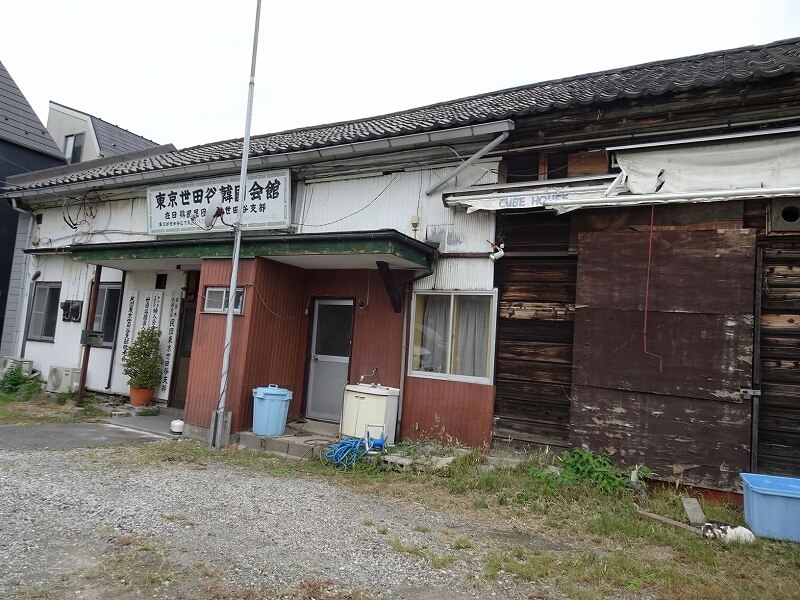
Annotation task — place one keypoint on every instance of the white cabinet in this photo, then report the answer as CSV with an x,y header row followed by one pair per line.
x,y
369,405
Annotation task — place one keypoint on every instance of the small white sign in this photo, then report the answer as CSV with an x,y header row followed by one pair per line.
x,y
181,207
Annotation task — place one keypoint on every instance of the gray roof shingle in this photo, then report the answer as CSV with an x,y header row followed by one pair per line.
x,y
18,123
651,79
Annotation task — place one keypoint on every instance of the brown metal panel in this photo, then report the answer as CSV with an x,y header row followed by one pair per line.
x,y
690,271
449,410
692,355
700,443
202,394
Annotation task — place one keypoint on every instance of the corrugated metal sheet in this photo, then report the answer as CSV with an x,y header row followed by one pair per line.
x,y
389,201
271,337
447,410
14,321
459,274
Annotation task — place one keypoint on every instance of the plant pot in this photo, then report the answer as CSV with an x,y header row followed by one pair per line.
x,y
141,396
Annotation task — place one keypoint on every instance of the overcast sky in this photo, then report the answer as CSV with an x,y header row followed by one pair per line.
x,y
177,70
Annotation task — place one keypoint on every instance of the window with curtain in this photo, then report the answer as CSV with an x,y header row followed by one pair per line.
x,y
453,334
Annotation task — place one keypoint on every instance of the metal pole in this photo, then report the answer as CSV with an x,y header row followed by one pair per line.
x,y
221,430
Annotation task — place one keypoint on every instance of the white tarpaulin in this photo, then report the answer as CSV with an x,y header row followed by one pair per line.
x,y
766,162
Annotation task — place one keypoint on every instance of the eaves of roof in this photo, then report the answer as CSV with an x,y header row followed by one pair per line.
x,y
702,71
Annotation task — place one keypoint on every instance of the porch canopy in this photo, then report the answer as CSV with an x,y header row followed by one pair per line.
x,y
346,250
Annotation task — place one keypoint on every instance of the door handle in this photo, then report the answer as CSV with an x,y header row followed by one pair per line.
x,y
315,357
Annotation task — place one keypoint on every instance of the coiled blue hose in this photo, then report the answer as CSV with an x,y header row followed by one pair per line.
x,y
348,451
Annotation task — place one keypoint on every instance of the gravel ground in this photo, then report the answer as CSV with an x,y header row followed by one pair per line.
x,y
65,515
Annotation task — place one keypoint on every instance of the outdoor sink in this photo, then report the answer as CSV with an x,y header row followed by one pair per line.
x,y
372,388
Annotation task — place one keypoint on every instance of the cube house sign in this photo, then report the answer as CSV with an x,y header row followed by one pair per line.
x,y
181,207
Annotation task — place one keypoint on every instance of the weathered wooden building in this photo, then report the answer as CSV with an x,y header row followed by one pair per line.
x,y
644,297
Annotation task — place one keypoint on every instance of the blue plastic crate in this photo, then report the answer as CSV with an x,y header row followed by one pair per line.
x,y
270,409
772,506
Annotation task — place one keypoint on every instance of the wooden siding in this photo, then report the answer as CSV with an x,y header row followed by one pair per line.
x,y
683,441
676,406
447,410
779,405
536,295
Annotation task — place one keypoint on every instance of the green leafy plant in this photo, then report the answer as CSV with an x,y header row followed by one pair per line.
x,y
578,466
144,363
12,380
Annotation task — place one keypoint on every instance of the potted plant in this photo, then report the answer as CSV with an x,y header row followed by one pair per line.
x,y
144,365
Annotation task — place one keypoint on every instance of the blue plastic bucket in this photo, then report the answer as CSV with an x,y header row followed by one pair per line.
x,y
270,409
772,506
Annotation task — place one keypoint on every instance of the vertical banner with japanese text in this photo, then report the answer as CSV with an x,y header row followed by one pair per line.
x,y
129,324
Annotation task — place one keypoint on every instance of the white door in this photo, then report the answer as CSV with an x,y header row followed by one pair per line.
x,y
330,358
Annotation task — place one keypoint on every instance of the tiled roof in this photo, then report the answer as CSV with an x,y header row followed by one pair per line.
x,y
114,141
18,123
651,79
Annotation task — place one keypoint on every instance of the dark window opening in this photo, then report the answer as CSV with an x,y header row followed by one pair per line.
x,y
161,281
73,147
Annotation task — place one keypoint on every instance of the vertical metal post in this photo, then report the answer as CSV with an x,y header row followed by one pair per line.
x,y
219,432
90,314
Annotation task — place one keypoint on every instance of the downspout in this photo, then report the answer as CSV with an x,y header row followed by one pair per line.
x,y
116,337
25,294
470,161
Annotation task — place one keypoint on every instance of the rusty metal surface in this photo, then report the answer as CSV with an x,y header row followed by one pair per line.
x,y
447,410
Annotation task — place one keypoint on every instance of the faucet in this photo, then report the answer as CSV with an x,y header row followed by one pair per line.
x,y
374,372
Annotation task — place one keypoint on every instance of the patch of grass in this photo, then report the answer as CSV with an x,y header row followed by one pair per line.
x,y
383,530
368,522
437,561
178,519
461,543
420,528
480,503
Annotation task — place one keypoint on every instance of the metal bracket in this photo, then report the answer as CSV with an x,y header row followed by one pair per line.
x,y
749,393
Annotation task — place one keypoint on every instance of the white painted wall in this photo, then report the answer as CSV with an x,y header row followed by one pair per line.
x,y
389,201
62,122
98,222
66,351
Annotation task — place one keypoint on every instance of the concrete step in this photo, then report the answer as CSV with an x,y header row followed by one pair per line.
x,y
287,445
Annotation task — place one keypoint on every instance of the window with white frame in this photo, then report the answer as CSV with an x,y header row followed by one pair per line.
x,y
105,316
216,300
453,335
44,311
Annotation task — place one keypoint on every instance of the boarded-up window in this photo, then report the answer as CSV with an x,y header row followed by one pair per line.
x,y
661,386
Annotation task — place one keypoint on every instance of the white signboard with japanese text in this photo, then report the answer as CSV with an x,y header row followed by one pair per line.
x,y
181,207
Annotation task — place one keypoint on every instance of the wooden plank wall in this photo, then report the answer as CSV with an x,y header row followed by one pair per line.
x,y
675,406
779,412
536,288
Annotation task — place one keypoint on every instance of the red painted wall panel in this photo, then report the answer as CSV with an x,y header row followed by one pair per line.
x,y
270,343
202,394
436,408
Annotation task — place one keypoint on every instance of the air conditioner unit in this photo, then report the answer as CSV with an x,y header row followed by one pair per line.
x,y
63,379
7,363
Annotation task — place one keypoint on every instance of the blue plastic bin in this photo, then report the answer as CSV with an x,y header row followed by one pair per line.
x,y
772,506
270,408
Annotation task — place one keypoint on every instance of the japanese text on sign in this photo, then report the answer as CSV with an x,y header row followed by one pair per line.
x,y
182,207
